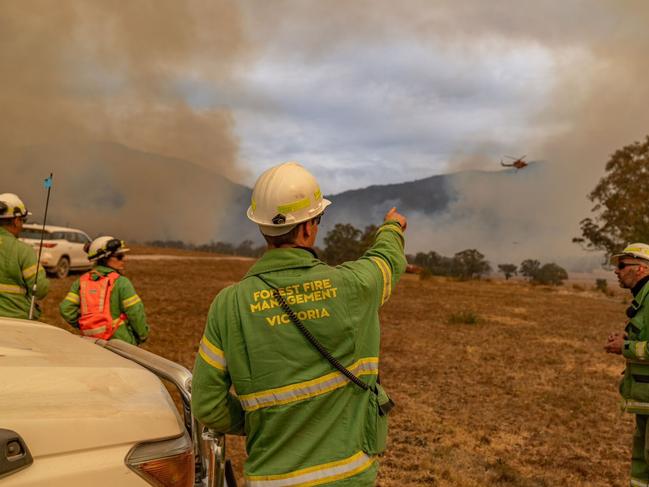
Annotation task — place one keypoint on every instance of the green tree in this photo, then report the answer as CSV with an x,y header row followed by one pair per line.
x,y
550,273
529,268
434,263
346,242
621,202
470,264
508,270
367,238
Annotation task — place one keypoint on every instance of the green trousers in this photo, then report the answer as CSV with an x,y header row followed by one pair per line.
x,y
640,453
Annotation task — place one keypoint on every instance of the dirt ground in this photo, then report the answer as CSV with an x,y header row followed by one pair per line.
x,y
525,397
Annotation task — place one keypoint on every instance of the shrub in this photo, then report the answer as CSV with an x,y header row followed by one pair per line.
x,y
601,285
465,317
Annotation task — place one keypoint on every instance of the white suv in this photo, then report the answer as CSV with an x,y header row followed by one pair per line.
x,y
62,247
76,411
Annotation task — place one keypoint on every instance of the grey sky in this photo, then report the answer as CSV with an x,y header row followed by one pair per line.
x,y
392,112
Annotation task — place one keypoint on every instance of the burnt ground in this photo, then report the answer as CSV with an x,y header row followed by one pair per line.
x,y
525,397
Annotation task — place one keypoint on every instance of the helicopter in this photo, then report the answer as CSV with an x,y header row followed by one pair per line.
x,y
518,163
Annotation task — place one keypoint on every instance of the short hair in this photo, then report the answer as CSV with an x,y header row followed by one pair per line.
x,y
287,238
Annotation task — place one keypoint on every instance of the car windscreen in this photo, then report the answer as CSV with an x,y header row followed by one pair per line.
x,y
35,234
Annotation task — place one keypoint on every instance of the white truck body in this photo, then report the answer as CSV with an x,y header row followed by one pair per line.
x,y
84,413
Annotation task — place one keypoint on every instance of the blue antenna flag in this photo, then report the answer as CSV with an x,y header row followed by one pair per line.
x,y
48,182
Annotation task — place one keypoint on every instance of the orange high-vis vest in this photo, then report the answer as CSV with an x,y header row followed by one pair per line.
x,y
96,320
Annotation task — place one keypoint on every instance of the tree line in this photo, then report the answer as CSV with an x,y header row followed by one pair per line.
x,y
345,243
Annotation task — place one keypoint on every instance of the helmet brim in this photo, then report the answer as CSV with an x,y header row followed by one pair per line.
x,y
615,259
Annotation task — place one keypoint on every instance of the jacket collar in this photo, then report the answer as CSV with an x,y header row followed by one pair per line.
x,y
285,258
103,270
5,233
640,286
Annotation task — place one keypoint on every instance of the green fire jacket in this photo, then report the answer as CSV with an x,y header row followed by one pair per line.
x,y
123,299
17,276
634,385
305,423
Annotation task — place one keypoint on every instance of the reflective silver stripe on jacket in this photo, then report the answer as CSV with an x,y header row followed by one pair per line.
x,y
307,389
386,272
637,406
30,271
212,354
12,289
94,331
319,474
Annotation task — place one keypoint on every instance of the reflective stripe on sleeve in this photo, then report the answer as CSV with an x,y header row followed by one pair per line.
x,y
641,350
30,271
387,277
12,289
212,354
307,389
639,482
316,475
132,301
72,297
635,407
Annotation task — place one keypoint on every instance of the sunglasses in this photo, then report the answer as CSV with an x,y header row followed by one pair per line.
x,y
119,256
622,265
318,219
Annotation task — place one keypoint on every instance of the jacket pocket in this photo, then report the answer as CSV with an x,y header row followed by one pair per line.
x,y
639,391
376,424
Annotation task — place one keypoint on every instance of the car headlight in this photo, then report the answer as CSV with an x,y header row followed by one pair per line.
x,y
168,463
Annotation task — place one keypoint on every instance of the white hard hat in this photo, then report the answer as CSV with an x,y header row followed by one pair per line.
x,y
104,247
11,206
634,251
284,196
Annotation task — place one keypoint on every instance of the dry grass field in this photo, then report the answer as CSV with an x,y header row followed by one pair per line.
x,y
524,397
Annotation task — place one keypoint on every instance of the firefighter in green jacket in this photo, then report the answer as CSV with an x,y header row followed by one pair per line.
x,y
85,306
305,422
18,263
632,270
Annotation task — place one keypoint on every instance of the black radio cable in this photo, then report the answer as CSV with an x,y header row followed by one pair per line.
x,y
312,339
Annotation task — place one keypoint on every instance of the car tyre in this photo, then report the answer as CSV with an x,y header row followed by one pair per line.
x,y
62,268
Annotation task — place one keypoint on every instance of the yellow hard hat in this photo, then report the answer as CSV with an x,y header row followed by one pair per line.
x,y
11,206
634,251
284,196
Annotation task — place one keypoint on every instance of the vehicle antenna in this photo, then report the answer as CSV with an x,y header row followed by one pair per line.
x,y
48,185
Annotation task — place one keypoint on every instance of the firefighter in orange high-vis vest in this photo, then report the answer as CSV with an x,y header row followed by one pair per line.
x,y
102,303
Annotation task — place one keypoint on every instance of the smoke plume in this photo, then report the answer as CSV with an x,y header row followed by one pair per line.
x,y
90,87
